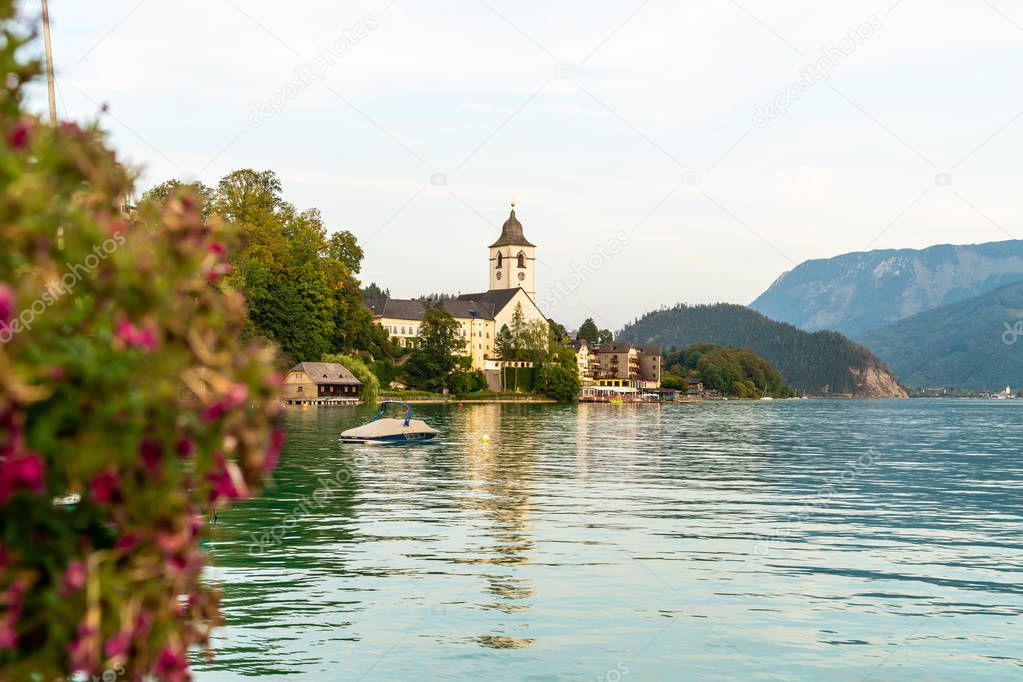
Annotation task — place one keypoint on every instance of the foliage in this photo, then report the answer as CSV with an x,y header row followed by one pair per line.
x,y
504,344
605,336
373,291
355,365
558,382
588,331
430,365
467,381
385,370
669,380
558,332
818,363
732,371
100,334
299,282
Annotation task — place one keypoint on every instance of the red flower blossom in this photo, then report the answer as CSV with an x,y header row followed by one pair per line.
x,y
273,452
222,485
23,471
185,447
81,652
74,578
218,271
118,644
19,135
214,411
218,248
127,542
7,303
104,486
151,454
172,666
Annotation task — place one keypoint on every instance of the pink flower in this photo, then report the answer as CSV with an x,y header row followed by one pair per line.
x,y
74,578
218,248
81,652
218,271
151,454
127,542
118,227
104,486
9,623
143,622
18,138
118,644
222,485
171,666
132,336
273,452
214,411
185,447
7,304
24,471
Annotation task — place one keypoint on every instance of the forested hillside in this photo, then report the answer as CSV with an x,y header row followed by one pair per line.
x,y
819,363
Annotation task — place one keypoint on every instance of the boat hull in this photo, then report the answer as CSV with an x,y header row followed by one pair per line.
x,y
392,439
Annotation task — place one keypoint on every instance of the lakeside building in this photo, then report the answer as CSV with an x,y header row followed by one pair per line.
x,y
512,275
321,382
606,369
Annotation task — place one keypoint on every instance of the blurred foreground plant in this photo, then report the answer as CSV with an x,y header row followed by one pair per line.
x,y
128,409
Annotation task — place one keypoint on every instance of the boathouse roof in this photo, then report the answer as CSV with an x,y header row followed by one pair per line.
x,y
327,373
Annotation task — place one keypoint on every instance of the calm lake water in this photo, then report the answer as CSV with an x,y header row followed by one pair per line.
x,y
788,540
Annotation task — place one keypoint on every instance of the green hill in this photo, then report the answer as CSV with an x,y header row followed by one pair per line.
x,y
731,371
973,344
819,363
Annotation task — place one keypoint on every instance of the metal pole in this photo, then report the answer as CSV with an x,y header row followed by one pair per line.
x,y
49,64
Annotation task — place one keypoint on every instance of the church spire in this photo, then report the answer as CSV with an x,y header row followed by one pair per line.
x,y
511,232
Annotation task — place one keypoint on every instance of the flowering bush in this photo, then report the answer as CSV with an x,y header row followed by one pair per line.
x,y
128,409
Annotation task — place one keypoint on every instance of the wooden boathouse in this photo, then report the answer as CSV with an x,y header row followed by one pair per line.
x,y
321,383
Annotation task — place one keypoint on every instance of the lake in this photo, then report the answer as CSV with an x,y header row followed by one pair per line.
x,y
786,540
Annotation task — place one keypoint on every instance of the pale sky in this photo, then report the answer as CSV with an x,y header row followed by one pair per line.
x,y
600,118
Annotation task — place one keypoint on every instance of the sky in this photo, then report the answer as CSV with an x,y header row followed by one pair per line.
x,y
658,152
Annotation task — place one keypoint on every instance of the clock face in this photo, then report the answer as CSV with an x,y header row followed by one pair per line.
x,y
499,274
522,276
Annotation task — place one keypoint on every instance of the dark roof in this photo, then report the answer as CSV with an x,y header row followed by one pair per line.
x,y
610,347
327,373
648,350
460,307
398,308
511,233
498,298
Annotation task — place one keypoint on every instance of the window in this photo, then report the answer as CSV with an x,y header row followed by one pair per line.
x,y
522,260
500,261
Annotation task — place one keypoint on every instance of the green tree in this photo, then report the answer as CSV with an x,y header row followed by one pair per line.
x,y
504,344
588,331
370,382
605,336
373,291
557,382
430,365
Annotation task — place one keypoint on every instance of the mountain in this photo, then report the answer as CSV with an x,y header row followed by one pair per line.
x,y
820,363
973,344
856,292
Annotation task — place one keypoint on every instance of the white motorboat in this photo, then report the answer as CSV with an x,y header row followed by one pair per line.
x,y
389,431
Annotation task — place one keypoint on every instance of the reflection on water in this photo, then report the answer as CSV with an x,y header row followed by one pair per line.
x,y
776,540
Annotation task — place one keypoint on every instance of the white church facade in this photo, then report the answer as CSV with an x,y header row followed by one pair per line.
x,y
512,275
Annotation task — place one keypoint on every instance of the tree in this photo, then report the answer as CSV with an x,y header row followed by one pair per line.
x,y
557,382
370,383
374,291
344,247
430,365
558,332
132,391
588,331
504,344
605,336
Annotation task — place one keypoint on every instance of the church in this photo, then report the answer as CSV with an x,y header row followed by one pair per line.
x,y
512,272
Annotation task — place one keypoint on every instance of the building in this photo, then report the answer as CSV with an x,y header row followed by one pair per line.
x,y
512,271
638,366
321,382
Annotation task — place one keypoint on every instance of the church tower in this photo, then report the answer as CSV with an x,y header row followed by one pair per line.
x,y
513,259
